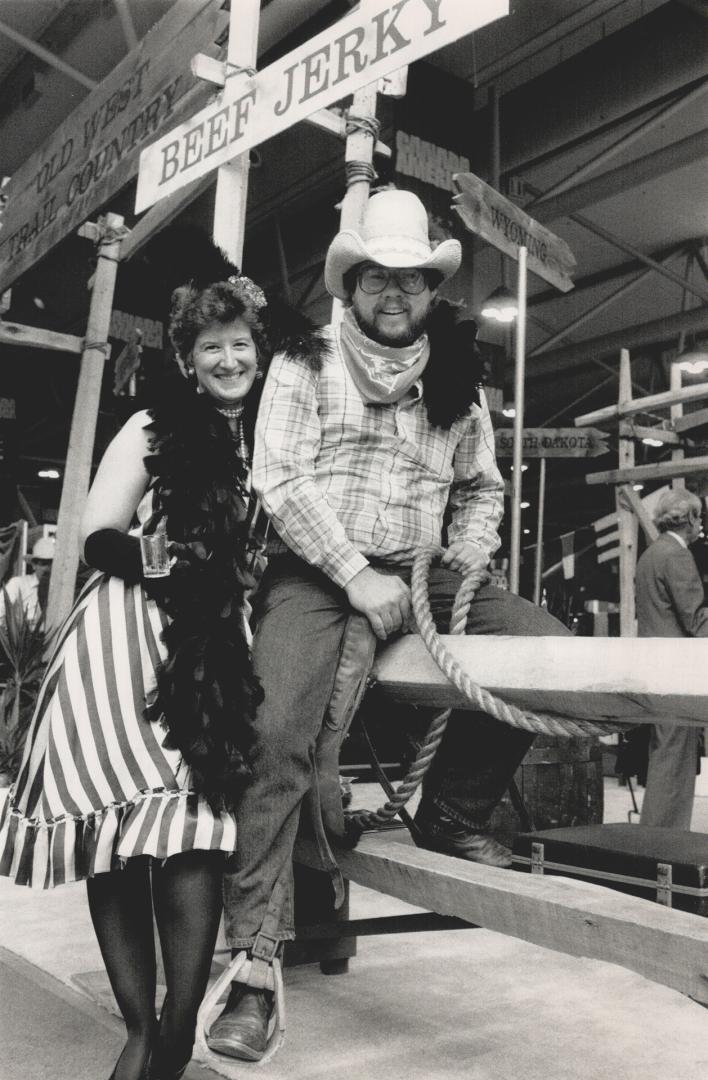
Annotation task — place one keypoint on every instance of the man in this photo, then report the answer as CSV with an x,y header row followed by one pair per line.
x,y
671,603
358,459
31,589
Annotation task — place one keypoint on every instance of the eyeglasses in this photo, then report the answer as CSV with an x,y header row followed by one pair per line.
x,y
374,279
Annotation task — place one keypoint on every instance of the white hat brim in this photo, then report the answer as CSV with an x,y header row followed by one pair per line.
x,y
347,249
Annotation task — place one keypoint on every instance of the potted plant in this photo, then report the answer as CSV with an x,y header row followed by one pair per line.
x,y
23,649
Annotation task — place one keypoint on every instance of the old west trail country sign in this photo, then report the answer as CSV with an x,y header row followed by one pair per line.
x,y
94,152
357,50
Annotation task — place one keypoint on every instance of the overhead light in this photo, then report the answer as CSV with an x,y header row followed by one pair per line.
x,y
525,505
648,441
501,306
523,468
526,532
509,411
48,474
638,487
694,362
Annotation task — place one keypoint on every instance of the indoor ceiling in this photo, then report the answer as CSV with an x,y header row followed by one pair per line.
x,y
608,92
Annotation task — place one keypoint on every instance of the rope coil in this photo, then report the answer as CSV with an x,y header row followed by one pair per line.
x,y
368,124
356,171
481,700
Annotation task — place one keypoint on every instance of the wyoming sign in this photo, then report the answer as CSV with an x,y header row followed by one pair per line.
x,y
500,222
378,38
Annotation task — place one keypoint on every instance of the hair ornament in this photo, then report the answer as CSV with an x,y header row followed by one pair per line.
x,y
251,293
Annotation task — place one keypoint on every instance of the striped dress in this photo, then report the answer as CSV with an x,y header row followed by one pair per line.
x,y
97,784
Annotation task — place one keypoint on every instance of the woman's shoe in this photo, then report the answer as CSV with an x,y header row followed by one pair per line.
x,y
146,1073
157,1074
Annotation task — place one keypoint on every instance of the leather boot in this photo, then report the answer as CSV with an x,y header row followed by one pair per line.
x,y
244,1027
441,833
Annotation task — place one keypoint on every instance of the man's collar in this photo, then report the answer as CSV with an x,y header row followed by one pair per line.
x,y
680,539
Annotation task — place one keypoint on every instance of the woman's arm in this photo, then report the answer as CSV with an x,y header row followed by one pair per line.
x,y
120,482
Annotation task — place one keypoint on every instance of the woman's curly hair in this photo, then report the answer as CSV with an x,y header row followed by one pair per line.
x,y
194,308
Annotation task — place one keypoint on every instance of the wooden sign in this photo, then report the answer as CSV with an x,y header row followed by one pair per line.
x,y
553,442
500,222
378,38
95,151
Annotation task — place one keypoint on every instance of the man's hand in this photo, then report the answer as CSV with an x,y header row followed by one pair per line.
x,y
383,598
468,560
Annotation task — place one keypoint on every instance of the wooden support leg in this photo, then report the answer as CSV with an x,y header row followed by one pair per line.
x,y
314,904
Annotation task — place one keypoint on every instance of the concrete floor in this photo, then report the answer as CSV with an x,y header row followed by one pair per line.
x,y
447,1005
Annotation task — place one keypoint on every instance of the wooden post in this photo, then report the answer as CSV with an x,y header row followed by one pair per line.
x,y
539,533
232,178
626,519
359,148
519,374
676,413
83,424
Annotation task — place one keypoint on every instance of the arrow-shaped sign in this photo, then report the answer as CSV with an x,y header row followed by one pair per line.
x,y
499,221
553,442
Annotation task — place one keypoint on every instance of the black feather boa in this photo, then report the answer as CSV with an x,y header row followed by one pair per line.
x,y
206,691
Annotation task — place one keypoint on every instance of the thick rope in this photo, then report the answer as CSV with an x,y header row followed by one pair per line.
x,y
480,699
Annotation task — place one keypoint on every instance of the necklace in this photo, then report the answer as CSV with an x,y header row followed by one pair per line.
x,y
233,413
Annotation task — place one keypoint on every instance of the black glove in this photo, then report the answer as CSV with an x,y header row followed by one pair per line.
x,y
116,553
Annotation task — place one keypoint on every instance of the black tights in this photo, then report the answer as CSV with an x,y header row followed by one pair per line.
x,y
186,898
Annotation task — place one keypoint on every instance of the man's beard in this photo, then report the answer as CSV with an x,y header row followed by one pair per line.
x,y
392,340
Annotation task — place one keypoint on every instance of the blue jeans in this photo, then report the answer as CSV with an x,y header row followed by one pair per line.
x,y
300,617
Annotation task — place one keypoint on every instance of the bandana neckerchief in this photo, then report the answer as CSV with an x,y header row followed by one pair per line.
x,y
381,374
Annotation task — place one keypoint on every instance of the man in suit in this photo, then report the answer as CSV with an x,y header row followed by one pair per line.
x,y
671,603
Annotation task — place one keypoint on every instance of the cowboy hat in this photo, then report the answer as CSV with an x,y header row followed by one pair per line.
x,y
394,233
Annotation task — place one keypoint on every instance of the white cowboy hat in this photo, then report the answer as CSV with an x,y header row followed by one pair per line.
x,y
43,548
394,232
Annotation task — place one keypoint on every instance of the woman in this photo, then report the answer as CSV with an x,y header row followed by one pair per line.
x,y
139,743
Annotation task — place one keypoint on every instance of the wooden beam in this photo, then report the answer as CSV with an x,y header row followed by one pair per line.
x,y
667,946
32,337
627,493
691,420
637,680
626,521
79,455
663,470
229,225
643,404
660,434
675,383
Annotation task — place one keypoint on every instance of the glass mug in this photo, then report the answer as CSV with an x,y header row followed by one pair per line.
x,y
154,554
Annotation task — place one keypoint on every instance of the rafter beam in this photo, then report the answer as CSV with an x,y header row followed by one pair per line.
x,y
611,273
48,57
623,245
624,142
582,352
126,22
624,178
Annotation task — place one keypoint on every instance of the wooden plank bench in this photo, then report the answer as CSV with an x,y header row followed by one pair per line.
x,y
630,680
607,680
670,947
627,680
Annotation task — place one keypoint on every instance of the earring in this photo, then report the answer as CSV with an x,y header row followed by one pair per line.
x,y
259,374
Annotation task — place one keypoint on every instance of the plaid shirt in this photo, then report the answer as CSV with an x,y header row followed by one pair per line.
x,y
345,482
